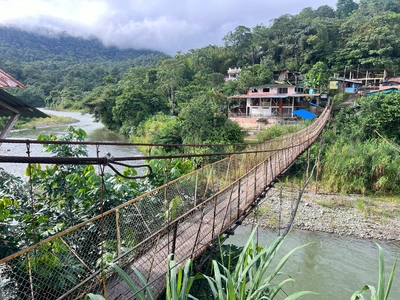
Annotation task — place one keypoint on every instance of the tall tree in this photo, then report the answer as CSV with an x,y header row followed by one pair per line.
x,y
370,42
172,74
239,42
345,7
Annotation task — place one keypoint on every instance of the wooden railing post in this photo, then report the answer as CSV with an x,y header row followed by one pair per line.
x,y
118,232
174,240
238,202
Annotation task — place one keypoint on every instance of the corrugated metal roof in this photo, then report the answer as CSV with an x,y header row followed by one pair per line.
x,y
348,80
15,103
385,91
7,80
273,96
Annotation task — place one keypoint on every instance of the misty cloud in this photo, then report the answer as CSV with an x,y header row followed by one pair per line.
x,y
162,25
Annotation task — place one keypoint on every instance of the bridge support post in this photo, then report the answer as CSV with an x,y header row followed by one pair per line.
x,y
174,240
238,202
118,232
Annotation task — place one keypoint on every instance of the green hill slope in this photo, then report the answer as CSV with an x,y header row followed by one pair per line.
x,y
59,69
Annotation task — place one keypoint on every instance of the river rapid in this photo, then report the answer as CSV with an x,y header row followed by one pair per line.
x,y
333,266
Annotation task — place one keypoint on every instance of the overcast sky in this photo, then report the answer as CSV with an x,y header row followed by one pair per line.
x,y
164,25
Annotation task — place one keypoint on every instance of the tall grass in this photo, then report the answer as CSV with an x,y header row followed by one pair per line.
x,y
278,130
381,292
179,280
253,276
361,167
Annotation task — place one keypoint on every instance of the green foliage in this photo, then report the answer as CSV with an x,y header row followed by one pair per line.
x,y
204,121
255,75
14,208
278,130
60,70
317,78
252,277
345,8
381,113
165,170
133,106
381,293
179,281
143,295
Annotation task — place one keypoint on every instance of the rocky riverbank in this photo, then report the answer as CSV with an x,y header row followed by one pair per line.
x,y
352,215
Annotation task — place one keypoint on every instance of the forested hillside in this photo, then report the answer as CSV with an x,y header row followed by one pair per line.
x,y
125,88
315,42
58,70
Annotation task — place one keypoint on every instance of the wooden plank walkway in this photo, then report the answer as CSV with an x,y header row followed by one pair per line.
x,y
138,235
198,229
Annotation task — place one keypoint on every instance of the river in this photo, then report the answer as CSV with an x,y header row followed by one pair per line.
x,y
95,131
333,266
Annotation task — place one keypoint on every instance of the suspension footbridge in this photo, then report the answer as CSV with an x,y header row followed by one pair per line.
x,y
183,217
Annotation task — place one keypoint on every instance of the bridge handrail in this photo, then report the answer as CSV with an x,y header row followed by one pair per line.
x,y
127,233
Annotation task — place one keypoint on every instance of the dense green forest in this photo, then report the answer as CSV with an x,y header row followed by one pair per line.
x,y
315,42
60,70
152,97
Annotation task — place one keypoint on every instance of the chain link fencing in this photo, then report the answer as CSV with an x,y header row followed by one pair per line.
x,y
183,217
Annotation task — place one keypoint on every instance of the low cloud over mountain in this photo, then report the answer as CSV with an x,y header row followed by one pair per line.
x,y
162,25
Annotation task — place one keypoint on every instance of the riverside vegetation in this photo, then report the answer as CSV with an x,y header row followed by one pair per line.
x,y
239,274
152,97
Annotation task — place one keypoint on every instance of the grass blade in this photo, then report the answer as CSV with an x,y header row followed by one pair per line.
x,y
94,297
299,294
129,282
389,286
381,280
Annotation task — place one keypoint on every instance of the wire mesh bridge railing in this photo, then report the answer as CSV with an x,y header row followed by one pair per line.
x,y
182,217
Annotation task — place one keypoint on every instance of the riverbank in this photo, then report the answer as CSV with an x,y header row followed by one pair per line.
x,y
351,215
44,122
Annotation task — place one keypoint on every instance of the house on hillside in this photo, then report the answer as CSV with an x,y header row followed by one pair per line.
x,y
287,77
350,86
233,73
390,83
366,79
384,91
271,101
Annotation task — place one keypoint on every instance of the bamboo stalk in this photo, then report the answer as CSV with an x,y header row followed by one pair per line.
x,y
118,232
30,276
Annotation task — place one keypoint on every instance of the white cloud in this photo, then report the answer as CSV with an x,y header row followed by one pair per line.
x,y
165,25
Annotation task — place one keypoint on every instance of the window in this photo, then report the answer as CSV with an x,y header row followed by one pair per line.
x,y
265,102
254,90
287,111
287,101
298,90
255,102
265,90
282,91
